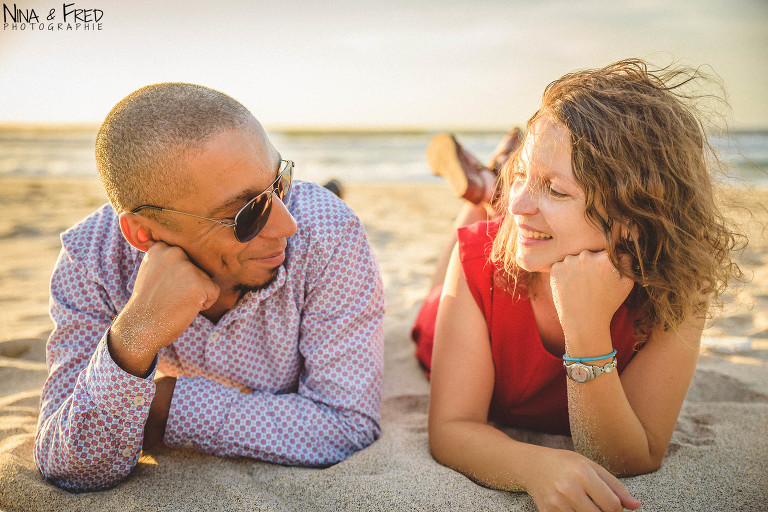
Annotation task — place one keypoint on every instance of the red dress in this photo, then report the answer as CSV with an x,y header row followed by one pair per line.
x,y
530,385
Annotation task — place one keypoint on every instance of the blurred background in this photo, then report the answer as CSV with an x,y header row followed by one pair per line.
x,y
355,89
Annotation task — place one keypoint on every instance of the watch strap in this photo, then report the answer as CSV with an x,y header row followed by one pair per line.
x,y
593,371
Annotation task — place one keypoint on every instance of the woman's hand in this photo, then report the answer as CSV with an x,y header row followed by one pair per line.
x,y
587,290
568,481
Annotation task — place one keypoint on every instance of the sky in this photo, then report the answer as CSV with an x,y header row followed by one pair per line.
x,y
345,64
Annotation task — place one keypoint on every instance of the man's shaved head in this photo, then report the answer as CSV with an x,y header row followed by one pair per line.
x,y
146,137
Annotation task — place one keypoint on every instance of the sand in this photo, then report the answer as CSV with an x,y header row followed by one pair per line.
x,y
717,460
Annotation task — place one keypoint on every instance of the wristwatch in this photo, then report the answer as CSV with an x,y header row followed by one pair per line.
x,y
581,372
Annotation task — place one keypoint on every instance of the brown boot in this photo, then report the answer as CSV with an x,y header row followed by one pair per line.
x,y
460,169
506,147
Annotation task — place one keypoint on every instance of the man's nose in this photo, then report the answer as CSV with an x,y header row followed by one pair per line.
x,y
281,223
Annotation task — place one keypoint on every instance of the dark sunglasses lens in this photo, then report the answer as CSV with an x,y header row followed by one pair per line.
x,y
284,184
253,217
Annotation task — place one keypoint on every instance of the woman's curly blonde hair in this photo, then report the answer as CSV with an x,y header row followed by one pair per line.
x,y
641,155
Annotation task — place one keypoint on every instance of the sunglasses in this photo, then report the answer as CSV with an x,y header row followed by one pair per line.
x,y
251,218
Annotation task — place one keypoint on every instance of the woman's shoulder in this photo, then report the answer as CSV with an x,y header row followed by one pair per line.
x,y
476,240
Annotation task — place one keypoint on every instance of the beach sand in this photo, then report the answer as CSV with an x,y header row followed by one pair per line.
x,y
717,460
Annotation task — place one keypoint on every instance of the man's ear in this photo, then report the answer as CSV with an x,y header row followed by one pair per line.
x,y
136,232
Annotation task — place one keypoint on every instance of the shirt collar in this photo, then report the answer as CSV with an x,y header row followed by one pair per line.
x,y
265,293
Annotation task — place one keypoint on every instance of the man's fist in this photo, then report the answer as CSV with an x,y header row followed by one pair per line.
x,y
168,294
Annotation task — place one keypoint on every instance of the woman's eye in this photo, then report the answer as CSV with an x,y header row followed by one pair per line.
x,y
555,193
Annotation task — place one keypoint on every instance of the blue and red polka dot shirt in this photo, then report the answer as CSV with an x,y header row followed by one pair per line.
x,y
291,375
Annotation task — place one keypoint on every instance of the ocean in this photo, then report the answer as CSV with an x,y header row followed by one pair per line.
x,y
373,156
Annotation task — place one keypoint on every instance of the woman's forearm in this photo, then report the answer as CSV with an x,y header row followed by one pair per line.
x,y
484,454
554,478
626,423
604,427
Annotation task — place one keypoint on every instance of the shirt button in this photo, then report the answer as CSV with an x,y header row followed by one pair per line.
x,y
214,336
138,400
127,452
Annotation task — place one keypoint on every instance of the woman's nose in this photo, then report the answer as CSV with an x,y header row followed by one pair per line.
x,y
523,200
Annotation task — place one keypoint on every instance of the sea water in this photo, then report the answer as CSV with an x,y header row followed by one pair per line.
x,y
373,156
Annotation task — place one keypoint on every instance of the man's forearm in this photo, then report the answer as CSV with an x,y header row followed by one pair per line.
x,y
285,428
91,439
154,430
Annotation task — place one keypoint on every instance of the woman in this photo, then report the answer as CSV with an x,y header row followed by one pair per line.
x,y
580,309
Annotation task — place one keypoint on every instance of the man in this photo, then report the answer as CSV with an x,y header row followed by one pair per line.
x,y
214,304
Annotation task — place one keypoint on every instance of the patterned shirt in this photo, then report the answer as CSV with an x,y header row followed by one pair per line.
x,y
292,374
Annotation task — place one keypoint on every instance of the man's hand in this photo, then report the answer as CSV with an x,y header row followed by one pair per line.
x,y
169,292
154,430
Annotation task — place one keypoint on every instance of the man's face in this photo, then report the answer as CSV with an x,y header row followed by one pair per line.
x,y
229,170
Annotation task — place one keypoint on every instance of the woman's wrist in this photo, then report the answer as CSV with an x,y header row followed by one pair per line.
x,y
570,359
590,346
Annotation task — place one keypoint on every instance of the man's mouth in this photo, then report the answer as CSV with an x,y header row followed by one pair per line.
x,y
273,259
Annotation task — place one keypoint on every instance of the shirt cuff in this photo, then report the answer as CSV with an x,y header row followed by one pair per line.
x,y
113,389
198,408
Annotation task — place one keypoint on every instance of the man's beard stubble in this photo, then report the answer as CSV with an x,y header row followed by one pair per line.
x,y
243,288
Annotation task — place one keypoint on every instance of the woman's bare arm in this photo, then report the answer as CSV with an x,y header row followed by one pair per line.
x,y
624,423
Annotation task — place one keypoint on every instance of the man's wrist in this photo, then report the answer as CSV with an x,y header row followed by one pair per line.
x,y
154,430
129,354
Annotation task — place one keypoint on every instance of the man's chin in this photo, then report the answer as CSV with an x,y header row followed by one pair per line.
x,y
244,288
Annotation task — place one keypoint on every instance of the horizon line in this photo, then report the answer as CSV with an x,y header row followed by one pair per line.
x,y
328,129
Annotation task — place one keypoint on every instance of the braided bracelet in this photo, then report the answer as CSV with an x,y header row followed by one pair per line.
x,y
583,359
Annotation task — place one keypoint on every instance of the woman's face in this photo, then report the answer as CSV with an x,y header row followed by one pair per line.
x,y
547,204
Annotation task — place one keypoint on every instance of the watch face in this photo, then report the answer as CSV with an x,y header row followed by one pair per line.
x,y
579,373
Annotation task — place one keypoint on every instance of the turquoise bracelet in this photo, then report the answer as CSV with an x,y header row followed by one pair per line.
x,y
582,359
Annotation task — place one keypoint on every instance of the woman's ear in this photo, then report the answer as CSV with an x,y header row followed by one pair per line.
x,y
624,235
625,232
136,232
630,233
